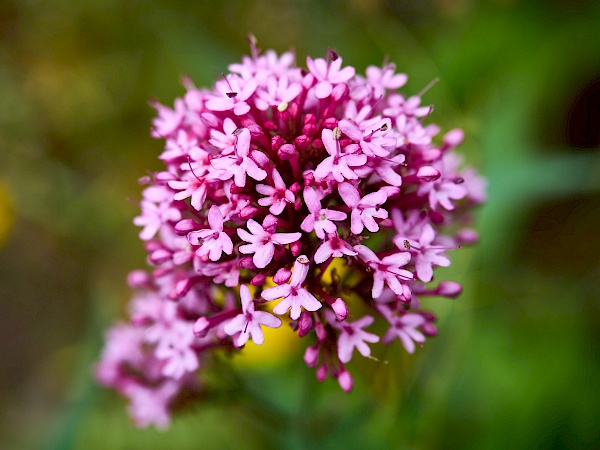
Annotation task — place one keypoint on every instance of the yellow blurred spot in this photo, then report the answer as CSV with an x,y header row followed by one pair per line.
x,y
280,343
7,214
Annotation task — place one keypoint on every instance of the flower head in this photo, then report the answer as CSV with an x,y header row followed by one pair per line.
x,y
270,176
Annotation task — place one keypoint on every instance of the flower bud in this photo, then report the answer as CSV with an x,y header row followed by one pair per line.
x,y
345,380
282,276
304,324
340,309
450,289
453,138
311,356
258,279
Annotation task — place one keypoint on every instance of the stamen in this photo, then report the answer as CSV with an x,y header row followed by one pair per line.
x,y
230,94
253,41
406,244
337,133
429,86
189,160
282,106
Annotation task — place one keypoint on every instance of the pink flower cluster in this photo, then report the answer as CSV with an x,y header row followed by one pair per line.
x,y
271,176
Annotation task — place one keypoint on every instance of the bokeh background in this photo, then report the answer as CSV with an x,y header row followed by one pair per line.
x,y
517,361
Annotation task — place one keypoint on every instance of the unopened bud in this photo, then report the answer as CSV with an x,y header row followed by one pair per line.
x,y
184,226
453,138
246,263
428,173
340,309
311,356
138,279
450,289
320,330
304,324
247,212
258,279
287,151
322,372
345,380
296,248
282,276
201,327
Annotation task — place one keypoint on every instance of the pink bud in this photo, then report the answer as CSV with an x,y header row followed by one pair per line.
x,y
436,217
276,142
320,330
258,279
450,289
201,327
322,372
467,236
432,154
330,123
317,144
246,263
453,138
345,380
282,276
303,141
296,248
309,118
311,356
270,125
309,129
183,287
248,212
138,279
340,309
256,130
160,256
287,151
429,329
295,188
428,173
304,324
164,177
184,226
235,189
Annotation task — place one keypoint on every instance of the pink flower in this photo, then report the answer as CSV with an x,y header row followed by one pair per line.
x,y
333,246
319,219
352,336
403,327
262,242
427,256
384,79
328,74
278,196
337,164
294,295
248,323
363,210
156,212
241,164
371,137
214,240
233,95
387,270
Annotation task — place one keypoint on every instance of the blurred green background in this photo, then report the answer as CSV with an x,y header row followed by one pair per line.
x,y
517,361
